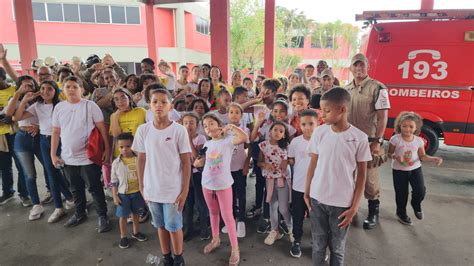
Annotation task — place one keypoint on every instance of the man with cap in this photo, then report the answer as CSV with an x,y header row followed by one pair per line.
x,y
368,111
326,80
322,65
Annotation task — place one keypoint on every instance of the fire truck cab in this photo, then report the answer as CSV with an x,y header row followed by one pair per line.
x,y
428,67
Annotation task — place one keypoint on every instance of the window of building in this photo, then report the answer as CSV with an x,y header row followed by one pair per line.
x,y
202,25
133,15
118,14
55,12
87,13
102,14
39,11
71,12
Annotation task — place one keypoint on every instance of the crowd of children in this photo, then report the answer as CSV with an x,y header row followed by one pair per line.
x,y
172,145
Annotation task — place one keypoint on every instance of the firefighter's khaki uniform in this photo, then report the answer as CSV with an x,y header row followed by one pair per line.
x,y
366,100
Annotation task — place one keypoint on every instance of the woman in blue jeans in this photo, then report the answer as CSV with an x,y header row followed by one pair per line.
x,y
39,105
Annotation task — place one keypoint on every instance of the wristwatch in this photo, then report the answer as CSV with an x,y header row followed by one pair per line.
x,y
376,140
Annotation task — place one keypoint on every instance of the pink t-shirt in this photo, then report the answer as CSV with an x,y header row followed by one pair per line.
x,y
407,151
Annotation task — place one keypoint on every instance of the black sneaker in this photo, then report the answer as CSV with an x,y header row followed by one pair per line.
x,y
75,220
419,215
404,219
124,242
264,226
140,237
254,212
103,224
295,250
178,261
168,260
5,198
284,227
188,235
144,215
205,234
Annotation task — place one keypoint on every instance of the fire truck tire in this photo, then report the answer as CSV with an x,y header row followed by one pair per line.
x,y
432,138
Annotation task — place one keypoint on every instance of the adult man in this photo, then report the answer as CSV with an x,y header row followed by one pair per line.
x,y
369,112
327,82
44,73
322,65
147,65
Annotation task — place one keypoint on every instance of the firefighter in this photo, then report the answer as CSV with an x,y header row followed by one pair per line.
x,y
369,112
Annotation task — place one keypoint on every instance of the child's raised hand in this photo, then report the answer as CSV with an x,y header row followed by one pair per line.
x,y
117,200
227,128
29,96
3,52
260,117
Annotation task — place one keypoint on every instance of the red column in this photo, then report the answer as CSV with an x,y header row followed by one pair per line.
x,y
150,32
220,35
25,29
269,53
427,4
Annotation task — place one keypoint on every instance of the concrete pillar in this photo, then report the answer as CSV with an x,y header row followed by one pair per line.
x,y
427,4
25,29
220,35
269,43
180,27
150,32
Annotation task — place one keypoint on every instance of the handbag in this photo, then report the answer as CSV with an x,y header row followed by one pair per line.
x,y
95,144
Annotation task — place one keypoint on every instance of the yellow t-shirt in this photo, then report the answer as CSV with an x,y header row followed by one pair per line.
x,y
129,123
5,96
62,95
132,175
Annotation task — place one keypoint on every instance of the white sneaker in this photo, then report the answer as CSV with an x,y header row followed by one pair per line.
x,y
224,230
240,229
36,212
69,204
273,236
56,215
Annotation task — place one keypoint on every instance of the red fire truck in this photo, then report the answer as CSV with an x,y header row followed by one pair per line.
x,y
428,66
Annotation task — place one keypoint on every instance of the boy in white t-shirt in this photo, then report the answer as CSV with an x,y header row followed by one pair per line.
x,y
164,169
337,149
73,122
299,157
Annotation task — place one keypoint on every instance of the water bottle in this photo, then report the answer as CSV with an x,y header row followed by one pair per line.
x,y
153,260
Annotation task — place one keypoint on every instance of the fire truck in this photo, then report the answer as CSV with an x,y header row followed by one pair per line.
x,y
427,63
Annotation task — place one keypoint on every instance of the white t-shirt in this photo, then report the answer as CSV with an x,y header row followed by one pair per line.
x,y
298,149
223,117
44,113
199,140
173,115
162,178
76,128
247,118
25,122
240,154
216,174
333,181
407,151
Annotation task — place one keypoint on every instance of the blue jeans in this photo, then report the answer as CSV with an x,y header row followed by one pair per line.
x,y
57,181
25,148
326,232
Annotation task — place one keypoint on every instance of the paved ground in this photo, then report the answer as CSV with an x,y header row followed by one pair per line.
x,y
445,237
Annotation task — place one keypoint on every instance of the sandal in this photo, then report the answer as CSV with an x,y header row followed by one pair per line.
x,y
234,258
212,246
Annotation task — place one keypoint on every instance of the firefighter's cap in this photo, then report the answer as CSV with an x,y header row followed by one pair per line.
x,y
359,57
327,72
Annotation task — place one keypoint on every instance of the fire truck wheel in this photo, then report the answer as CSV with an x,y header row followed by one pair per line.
x,y
431,139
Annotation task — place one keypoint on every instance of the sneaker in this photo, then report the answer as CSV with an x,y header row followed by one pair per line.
x,y
26,201
254,212
124,242
224,230
284,228
168,260
48,198
273,236
240,229
75,220
205,234
295,250
103,224
264,226
36,212
419,215
143,217
178,260
404,219
56,215
5,198
140,237
69,204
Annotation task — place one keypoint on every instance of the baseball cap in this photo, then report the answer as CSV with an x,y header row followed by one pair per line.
x,y
327,72
359,57
36,63
51,61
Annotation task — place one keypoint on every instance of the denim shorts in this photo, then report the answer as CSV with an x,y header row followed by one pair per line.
x,y
131,204
166,215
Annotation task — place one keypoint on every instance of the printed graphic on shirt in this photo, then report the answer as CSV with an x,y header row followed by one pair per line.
x,y
382,101
215,162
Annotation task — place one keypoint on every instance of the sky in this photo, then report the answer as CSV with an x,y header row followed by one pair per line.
x,y
345,10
